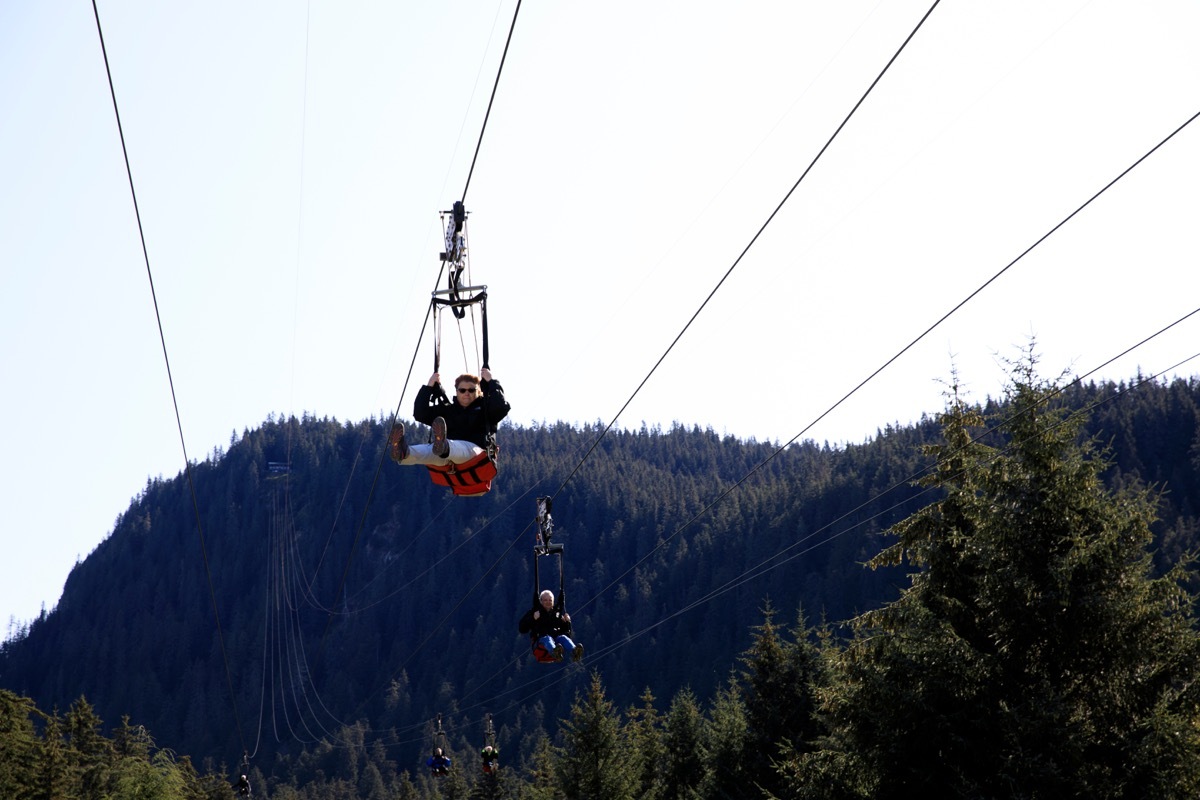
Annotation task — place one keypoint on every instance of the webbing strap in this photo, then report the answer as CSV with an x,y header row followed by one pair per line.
x,y
541,549
456,304
437,335
463,477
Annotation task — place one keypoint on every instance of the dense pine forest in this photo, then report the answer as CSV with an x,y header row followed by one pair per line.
x,y
995,602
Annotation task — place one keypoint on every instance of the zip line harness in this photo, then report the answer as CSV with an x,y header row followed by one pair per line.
x,y
472,478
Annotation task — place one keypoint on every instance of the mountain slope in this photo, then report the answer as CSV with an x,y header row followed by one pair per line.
x,y
348,590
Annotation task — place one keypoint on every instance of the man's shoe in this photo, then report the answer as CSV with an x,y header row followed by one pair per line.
x,y
577,655
397,446
558,652
441,448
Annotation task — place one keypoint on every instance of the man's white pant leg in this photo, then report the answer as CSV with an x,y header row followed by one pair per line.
x,y
460,452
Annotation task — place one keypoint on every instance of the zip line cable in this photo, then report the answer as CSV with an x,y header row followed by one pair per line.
x,y
170,380
463,125
492,99
910,345
747,576
188,471
762,567
283,649
262,696
291,582
288,665
927,471
337,512
279,573
746,249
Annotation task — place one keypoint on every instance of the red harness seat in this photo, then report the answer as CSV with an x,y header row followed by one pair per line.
x,y
468,479
541,654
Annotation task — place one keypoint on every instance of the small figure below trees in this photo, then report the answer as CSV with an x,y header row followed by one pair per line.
x,y
438,763
491,758
548,626
242,787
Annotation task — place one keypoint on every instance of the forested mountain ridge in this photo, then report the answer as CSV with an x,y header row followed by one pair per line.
x,y
395,558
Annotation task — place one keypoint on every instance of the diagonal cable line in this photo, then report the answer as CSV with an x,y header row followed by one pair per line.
x,y
913,343
170,380
746,249
491,100
773,562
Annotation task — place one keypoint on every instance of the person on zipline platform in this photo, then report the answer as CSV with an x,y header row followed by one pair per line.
x,y
460,426
438,763
549,627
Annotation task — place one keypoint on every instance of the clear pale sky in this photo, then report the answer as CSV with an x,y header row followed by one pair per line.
x,y
290,159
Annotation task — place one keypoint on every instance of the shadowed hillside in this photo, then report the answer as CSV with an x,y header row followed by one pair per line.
x,y
348,590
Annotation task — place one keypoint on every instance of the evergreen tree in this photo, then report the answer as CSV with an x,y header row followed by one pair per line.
x,y
405,788
684,747
91,754
156,778
542,776
486,787
643,732
727,737
454,785
596,763
55,779
18,745
195,786
371,785
1034,654
781,680
131,741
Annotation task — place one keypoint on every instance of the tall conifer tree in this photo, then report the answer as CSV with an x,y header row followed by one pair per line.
x,y
1035,653
686,764
643,732
596,763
